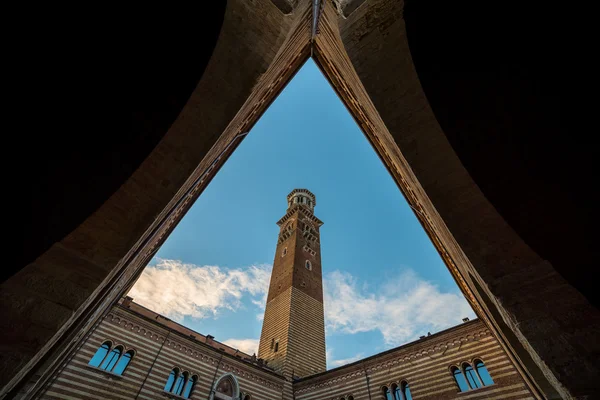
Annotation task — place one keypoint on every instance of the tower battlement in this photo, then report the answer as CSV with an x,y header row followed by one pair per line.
x,y
302,197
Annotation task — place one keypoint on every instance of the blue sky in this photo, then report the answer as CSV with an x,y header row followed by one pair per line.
x,y
212,272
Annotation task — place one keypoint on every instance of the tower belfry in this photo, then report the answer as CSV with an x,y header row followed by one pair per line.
x,y
293,332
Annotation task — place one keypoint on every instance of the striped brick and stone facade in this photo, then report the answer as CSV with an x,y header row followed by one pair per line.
x,y
425,365
160,345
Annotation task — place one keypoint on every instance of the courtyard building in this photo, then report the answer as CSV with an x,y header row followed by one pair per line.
x,y
135,353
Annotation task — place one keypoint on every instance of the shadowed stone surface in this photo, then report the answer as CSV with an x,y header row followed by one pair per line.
x,y
484,144
471,104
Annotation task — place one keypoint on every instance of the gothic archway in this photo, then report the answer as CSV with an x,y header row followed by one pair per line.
x,y
226,387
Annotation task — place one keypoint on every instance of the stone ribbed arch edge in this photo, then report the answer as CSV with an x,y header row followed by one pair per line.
x,y
331,56
286,60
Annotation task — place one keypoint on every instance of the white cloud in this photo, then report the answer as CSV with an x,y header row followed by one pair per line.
x,y
402,310
339,363
176,289
333,363
329,355
248,346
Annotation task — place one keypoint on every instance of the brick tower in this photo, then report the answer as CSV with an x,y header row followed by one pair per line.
x,y
293,332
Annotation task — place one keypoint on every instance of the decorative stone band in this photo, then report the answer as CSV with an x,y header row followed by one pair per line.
x,y
304,211
305,191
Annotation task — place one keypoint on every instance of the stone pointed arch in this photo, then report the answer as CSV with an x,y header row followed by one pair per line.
x,y
459,139
235,388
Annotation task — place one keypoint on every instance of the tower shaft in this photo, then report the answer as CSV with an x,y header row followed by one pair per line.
x,y
293,332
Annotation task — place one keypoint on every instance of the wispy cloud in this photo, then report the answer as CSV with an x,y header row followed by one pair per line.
x,y
177,289
402,309
339,363
248,346
329,355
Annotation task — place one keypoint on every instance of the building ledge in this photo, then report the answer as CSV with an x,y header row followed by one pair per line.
x,y
476,389
105,372
174,396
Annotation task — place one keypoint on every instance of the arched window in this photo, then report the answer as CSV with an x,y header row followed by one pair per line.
x,y
180,383
406,391
396,392
112,358
123,362
483,373
387,393
460,379
100,354
189,388
247,397
308,265
276,346
284,252
471,376
171,380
